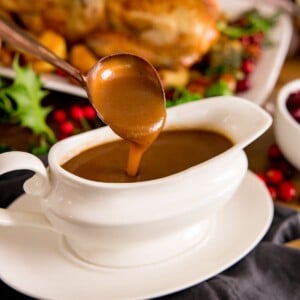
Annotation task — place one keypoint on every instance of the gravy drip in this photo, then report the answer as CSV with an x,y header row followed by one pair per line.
x,y
172,152
131,102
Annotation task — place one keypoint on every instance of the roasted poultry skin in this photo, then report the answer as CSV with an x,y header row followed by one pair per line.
x,y
169,33
73,19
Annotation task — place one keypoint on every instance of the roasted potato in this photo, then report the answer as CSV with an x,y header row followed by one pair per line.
x,y
82,58
55,43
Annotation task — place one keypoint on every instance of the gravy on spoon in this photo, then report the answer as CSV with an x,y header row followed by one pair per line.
x,y
130,99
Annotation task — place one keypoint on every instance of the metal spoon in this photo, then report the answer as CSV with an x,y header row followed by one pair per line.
x,y
125,90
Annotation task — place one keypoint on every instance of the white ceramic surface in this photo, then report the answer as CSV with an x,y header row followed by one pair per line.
x,y
286,129
130,224
264,77
269,65
34,261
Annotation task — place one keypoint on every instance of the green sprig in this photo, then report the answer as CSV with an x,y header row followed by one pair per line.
x,y
21,102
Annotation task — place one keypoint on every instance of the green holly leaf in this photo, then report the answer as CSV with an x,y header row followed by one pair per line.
x,y
181,96
27,93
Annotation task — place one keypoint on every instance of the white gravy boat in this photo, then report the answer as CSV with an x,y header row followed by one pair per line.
x,y
130,224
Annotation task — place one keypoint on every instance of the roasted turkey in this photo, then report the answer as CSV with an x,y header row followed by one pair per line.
x,y
170,33
74,19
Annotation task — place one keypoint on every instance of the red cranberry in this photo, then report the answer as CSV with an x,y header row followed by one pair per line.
x,y
245,40
257,38
248,66
66,128
286,191
59,115
243,85
89,112
274,176
76,112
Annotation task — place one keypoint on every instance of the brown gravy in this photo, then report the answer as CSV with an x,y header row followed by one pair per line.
x,y
172,152
131,102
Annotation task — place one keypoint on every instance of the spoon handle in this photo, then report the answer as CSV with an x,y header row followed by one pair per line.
x,y
19,38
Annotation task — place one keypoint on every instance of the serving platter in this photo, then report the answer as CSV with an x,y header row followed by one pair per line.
x,y
263,78
270,63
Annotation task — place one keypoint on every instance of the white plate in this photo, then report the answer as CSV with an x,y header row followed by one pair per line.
x,y
34,261
263,78
270,63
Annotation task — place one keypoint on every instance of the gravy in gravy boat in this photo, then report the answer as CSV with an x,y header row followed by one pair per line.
x,y
172,152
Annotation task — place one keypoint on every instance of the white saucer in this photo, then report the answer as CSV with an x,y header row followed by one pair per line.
x,y
32,260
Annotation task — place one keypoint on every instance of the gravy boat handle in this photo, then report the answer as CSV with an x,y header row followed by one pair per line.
x,y
38,185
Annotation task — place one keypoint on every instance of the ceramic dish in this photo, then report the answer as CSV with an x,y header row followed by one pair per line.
x,y
46,269
263,78
286,128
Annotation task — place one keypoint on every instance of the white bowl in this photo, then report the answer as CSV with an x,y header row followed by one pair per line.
x,y
286,128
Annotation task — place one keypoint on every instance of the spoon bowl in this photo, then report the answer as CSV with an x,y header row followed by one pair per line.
x,y
128,95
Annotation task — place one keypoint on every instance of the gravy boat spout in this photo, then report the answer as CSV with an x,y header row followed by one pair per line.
x,y
130,224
